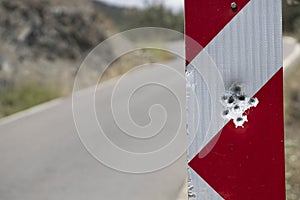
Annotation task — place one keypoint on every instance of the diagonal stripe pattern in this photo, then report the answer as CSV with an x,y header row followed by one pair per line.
x,y
248,163
205,19
238,163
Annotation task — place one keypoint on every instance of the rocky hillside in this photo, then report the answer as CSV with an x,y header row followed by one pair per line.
x,y
42,45
45,40
43,29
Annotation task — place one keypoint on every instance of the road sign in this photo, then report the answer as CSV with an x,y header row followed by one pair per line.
x,y
243,40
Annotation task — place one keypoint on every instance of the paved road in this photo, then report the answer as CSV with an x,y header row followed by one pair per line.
x,y
42,157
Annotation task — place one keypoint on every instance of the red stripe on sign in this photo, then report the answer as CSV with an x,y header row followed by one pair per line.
x,y
205,19
248,163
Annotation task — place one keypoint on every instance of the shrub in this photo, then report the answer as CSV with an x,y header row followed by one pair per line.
x,y
16,98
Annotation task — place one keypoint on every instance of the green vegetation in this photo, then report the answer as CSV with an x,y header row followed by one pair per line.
x,y
291,18
159,55
14,98
154,15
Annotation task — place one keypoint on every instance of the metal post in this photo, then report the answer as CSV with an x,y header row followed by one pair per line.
x,y
242,46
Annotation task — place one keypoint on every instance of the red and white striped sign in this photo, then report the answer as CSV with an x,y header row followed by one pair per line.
x,y
243,39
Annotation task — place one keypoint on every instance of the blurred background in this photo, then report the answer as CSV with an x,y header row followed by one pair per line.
x,y
42,44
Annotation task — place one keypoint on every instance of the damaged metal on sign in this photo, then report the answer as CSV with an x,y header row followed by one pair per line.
x,y
235,104
191,194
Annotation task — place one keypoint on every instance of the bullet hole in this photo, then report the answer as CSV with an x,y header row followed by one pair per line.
x,y
239,119
225,113
242,98
191,193
253,102
231,100
224,97
235,104
237,89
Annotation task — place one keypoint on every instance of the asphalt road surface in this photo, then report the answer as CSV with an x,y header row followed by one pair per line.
x,y
41,156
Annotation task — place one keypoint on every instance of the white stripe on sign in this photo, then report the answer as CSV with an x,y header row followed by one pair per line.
x,y
206,192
